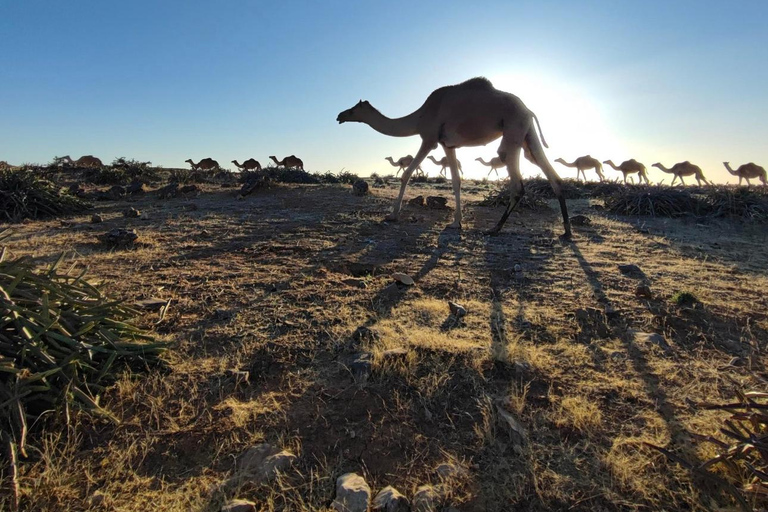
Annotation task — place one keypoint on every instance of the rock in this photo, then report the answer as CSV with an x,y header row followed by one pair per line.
x,y
132,213
581,220
135,188
437,202
425,499
77,189
650,337
363,334
390,500
403,278
264,461
394,353
457,310
416,201
610,311
168,191
355,283
97,499
516,429
361,366
120,237
360,188
518,267
96,219
352,494
238,505
643,291
448,471
151,304
631,270
116,192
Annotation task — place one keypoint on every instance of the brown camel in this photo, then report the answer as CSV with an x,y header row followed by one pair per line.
x,y
248,165
5,165
631,166
681,169
443,163
83,161
495,164
748,172
206,164
289,162
403,163
583,163
472,113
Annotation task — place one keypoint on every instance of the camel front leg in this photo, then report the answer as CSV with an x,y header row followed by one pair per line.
x,y
420,156
512,159
682,180
450,153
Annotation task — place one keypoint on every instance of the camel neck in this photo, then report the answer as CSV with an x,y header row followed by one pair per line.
x,y
400,127
610,162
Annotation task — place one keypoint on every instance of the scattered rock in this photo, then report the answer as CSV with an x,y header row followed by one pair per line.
x,y
448,471
355,283
77,189
365,334
135,188
631,270
360,366
610,311
205,233
168,191
96,219
617,355
238,505
132,213
416,201
403,278
390,500
120,237
264,461
581,220
516,429
151,304
437,202
650,337
352,494
643,291
425,499
518,267
360,188
457,310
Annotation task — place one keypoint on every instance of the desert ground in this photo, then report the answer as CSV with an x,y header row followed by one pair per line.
x,y
283,313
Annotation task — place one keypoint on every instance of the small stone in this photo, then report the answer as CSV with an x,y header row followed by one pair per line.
x,y
120,237
132,213
151,304
643,291
168,191
611,311
394,353
238,505
390,500
416,201
363,334
360,188
135,188
264,461
617,355
631,270
457,310
205,233
425,499
403,278
361,366
437,202
650,337
518,267
116,192
516,429
97,499
580,220
448,471
355,283
96,218
352,494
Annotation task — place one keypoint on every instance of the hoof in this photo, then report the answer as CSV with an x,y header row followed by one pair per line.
x,y
493,232
454,225
566,236
391,218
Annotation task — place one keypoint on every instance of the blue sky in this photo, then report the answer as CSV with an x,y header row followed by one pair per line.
x,y
166,81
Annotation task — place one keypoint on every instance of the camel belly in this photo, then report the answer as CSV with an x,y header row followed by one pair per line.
x,y
467,133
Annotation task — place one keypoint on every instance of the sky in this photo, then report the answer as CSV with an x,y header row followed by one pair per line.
x,y
164,81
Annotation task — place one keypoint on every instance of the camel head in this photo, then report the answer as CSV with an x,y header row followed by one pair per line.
x,y
657,164
357,113
560,160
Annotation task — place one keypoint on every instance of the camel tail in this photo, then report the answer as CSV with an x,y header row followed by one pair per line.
x,y
541,133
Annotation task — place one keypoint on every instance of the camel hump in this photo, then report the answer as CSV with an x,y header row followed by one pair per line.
x,y
479,82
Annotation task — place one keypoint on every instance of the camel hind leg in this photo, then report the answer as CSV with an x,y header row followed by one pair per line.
x,y
420,156
450,153
510,156
537,151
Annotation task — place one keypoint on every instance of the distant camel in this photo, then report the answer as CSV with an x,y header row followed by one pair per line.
x,y
403,163
289,162
443,163
746,171
206,164
684,169
582,163
631,166
83,161
5,165
495,164
248,165
472,113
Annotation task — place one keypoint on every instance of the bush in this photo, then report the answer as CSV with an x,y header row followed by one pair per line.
x,y
23,195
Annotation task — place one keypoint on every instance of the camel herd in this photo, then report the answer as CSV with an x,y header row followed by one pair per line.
x,y
209,164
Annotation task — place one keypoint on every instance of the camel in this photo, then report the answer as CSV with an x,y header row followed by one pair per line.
x,y
248,165
206,164
472,113
631,166
403,163
746,171
443,163
83,161
495,164
684,169
583,163
289,161
5,165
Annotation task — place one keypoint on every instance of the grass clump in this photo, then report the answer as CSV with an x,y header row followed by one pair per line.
x,y
61,341
23,195
684,299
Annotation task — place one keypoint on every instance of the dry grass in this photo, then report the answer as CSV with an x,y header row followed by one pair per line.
x,y
258,285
